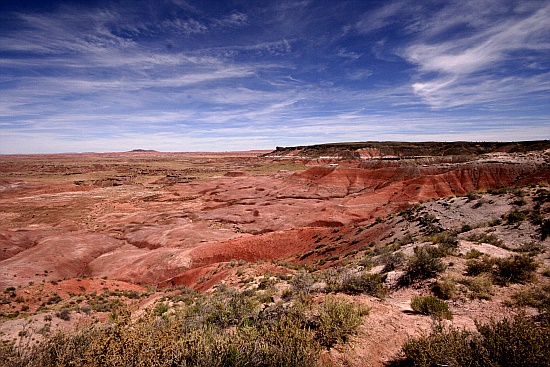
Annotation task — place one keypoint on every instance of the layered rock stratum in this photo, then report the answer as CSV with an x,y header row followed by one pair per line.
x,y
156,218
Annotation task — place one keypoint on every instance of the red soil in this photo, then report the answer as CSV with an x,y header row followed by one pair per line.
x,y
166,233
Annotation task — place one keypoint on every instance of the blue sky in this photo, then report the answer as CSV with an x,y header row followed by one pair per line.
x,y
204,75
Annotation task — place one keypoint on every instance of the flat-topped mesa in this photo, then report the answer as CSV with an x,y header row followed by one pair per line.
x,y
400,150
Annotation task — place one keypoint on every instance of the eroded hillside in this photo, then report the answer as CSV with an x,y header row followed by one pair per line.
x,y
93,234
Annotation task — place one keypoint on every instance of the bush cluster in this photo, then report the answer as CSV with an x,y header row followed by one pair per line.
x,y
360,283
519,342
514,269
491,239
479,286
431,306
226,328
424,264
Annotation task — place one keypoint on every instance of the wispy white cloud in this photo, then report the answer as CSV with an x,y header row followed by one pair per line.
x,y
467,70
387,14
233,20
181,78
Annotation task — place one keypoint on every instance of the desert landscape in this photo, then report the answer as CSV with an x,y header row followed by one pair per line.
x,y
117,242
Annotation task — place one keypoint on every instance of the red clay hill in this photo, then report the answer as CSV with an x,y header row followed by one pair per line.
x,y
152,218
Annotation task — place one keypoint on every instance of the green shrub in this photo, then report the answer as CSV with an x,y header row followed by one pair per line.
x,y
491,239
431,306
498,191
223,311
517,342
479,286
64,314
371,284
516,217
161,308
429,223
465,228
447,241
515,269
422,265
391,261
445,288
541,196
337,320
476,267
408,238
537,297
532,248
508,343
473,195
302,282
220,329
473,254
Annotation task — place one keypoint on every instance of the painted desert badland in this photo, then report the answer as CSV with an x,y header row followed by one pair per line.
x,y
142,228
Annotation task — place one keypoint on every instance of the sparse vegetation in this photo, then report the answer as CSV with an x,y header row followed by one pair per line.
x,y
519,342
516,217
337,320
445,288
473,254
64,314
291,311
515,269
479,286
536,296
358,283
490,239
476,267
431,306
198,334
422,265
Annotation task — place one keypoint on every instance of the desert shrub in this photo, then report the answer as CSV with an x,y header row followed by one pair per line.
x,y
473,254
486,238
227,311
161,308
447,240
431,306
444,288
479,286
479,203
337,320
406,239
541,196
498,191
537,297
475,267
9,353
422,265
508,343
515,269
64,314
516,217
465,228
517,342
473,195
302,282
444,346
371,284
391,261
195,335
531,247
429,223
